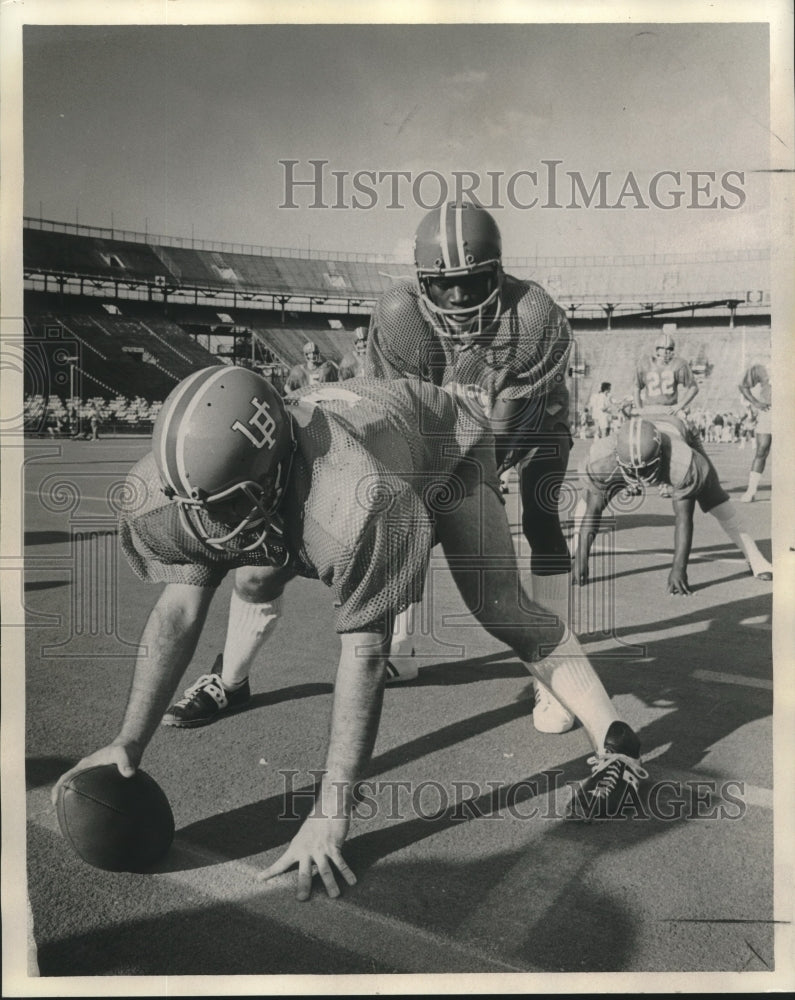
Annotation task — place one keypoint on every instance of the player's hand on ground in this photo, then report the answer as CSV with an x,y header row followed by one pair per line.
x,y
315,848
121,756
677,583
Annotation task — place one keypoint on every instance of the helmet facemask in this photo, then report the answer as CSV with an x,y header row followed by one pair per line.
x,y
642,443
648,473
223,447
253,506
459,244
463,322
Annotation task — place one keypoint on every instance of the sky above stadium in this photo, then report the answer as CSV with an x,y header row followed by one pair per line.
x,y
589,135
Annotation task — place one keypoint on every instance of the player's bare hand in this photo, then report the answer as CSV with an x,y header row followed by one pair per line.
x,y
677,583
315,848
122,756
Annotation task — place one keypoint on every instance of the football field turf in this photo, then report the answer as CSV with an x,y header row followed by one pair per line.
x,y
465,861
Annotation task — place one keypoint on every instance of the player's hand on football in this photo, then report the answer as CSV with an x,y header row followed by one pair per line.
x,y
122,756
677,583
315,848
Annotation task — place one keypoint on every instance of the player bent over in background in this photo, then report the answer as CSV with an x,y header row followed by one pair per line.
x,y
649,453
339,485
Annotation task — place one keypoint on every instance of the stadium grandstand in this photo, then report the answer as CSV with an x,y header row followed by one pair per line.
x,y
114,319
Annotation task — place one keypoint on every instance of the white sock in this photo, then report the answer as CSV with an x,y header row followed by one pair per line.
x,y
753,483
575,683
726,515
248,628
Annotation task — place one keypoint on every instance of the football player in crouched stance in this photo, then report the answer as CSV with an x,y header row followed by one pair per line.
x,y
351,485
463,321
649,453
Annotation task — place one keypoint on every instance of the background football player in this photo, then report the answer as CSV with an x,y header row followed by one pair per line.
x,y
314,371
756,388
664,383
352,363
647,454
260,496
463,322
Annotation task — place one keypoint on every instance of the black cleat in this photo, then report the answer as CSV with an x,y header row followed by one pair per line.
x,y
615,776
204,701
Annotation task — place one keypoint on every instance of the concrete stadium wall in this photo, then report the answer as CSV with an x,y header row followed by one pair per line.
x,y
611,357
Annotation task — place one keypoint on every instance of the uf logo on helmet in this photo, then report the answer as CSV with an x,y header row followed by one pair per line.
x,y
262,423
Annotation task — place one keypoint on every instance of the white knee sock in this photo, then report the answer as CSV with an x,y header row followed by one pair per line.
x,y
726,515
573,681
568,672
753,483
249,626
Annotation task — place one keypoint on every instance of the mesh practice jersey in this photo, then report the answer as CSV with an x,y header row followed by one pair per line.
x,y
524,353
661,381
687,470
374,462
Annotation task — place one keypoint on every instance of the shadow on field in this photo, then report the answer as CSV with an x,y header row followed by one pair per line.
x,y
32,585
45,771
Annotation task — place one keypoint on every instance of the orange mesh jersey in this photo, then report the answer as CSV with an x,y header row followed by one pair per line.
x,y
374,461
661,381
523,353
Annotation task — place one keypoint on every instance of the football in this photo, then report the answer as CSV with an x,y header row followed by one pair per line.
x,y
115,823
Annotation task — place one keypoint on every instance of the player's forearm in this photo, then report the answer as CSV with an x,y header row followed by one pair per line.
x,y
591,521
167,645
689,395
748,396
358,697
683,540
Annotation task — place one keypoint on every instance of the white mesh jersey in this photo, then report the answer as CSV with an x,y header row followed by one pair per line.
x,y
523,353
374,462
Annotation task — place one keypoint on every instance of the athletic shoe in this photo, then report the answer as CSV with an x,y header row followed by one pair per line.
x,y
549,715
748,498
665,491
204,701
615,776
766,574
407,671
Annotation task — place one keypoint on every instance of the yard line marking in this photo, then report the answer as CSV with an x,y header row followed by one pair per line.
x,y
741,679
352,928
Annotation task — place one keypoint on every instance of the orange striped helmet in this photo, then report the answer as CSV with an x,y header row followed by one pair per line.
x,y
459,241
222,444
639,451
